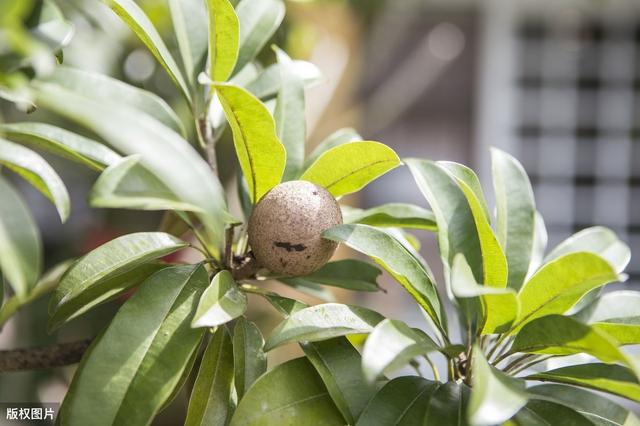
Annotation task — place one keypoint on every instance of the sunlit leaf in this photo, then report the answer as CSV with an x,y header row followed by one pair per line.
x,y
221,302
399,215
268,82
616,313
224,39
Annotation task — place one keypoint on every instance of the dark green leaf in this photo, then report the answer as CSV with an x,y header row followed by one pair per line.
x,y
349,274
545,413
249,358
447,405
221,302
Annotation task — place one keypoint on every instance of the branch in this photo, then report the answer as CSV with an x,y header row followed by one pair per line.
x,y
42,357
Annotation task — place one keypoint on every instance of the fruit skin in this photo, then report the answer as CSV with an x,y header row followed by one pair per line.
x,y
286,225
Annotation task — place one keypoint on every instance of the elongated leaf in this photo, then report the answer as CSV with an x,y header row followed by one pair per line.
x,y
600,410
20,244
221,302
134,366
267,84
290,116
132,15
349,274
558,285
499,306
540,238
126,184
284,305
516,213
211,395
261,155
338,364
395,259
259,20
224,39
496,396
249,358
100,87
391,346
339,137
617,314
402,401
322,322
470,179
446,405
60,142
546,413
599,240
49,26
301,398
397,215
350,167
35,170
190,27
106,272
163,152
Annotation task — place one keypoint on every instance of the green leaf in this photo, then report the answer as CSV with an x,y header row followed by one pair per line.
x,y
50,26
107,271
610,378
267,83
350,167
446,405
515,216
100,87
224,39
546,413
126,184
259,20
290,116
261,155
600,410
338,364
396,215
61,142
284,305
190,27
134,366
496,396
349,274
163,152
560,284
401,401
135,18
387,252
321,322
211,395
35,170
498,306
20,244
391,346
599,240
617,314
221,302
467,176
540,238
249,358
338,137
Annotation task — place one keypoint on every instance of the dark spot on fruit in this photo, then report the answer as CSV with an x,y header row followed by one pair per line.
x,y
308,256
315,192
289,247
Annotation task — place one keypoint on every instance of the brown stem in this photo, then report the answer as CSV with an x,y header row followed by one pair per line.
x,y
42,357
247,268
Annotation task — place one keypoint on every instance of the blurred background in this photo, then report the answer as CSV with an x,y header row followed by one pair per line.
x,y
556,83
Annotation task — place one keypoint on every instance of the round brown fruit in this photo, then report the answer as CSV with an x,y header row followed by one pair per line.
x,y
286,225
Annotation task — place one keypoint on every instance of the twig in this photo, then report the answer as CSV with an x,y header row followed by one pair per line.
x,y
531,364
42,357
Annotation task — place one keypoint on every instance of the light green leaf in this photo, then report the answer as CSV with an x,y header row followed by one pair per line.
x,y
600,410
221,302
559,284
350,167
61,142
211,395
100,87
50,26
338,364
470,179
391,346
446,405
301,398
387,252
35,170
338,137
224,39
401,401
516,213
496,396
261,155
259,20
349,274
617,314
599,240
321,322
610,378
540,238
20,244
107,271
499,306
135,18
546,413
135,365
267,84
249,358
397,215
190,27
